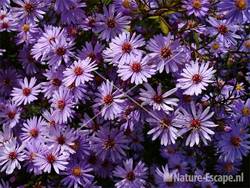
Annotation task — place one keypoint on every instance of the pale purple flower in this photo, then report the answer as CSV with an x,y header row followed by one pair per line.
x,y
165,176
109,100
111,23
80,72
138,69
123,47
27,93
195,78
10,115
34,130
10,156
51,158
158,99
27,33
197,123
166,52
63,104
131,175
197,7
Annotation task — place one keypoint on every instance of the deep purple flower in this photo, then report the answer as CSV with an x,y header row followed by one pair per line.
x,y
132,176
10,115
111,23
109,143
93,51
241,111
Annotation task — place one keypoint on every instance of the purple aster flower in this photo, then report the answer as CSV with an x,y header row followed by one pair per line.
x,y
93,51
109,100
30,153
166,52
62,138
34,130
125,6
62,103
164,128
44,43
31,10
197,7
10,115
92,126
195,78
5,135
30,65
79,72
246,45
4,3
158,99
111,23
241,111
10,156
63,5
197,123
61,50
74,13
235,144
131,175
54,77
27,93
27,33
224,31
78,174
7,21
123,47
227,167
8,79
217,48
79,92
51,158
236,11
138,69
109,143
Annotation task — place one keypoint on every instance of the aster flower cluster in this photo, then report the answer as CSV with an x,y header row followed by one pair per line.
x,y
123,93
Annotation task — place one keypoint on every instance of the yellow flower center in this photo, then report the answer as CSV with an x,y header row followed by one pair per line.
x,y
247,43
76,171
215,46
241,4
196,4
126,4
246,111
26,27
239,87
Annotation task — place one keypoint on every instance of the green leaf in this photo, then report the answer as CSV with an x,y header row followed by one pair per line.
x,y
196,39
168,12
106,2
154,17
164,26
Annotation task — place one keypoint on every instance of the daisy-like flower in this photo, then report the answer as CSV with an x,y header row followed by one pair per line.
x,y
123,47
78,174
158,99
195,78
61,50
111,23
44,43
197,124
51,158
132,176
32,10
236,11
138,69
224,31
10,115
235,144
79,72
62,103
109,100
228,167
10,156
27,33
34,130
164,127
197,7
27,93
125,6
166,52
241,111
109,144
